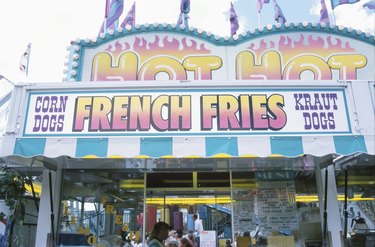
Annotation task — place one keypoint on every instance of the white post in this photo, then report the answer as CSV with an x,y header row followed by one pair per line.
x,y
44,216
333,212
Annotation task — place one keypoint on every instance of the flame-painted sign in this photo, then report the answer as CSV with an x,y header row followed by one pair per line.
x,y
313,54
184,111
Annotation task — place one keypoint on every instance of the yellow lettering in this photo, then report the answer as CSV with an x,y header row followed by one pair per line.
x,y
105,69
202,66
348,65
170,66
270,68
293,70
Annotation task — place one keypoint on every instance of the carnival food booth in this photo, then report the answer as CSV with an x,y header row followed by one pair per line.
x,y
258,133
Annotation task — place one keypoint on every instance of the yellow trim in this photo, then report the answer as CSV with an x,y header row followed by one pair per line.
x,y
116,156
193,157
189,200
168,157
226,199
249,156
276,156
141,157
90,156
222,155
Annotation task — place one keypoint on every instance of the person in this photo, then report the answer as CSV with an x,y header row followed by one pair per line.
x,y
192,239
227,243
184,242
171,243
158,234
178,235
171,240
198,228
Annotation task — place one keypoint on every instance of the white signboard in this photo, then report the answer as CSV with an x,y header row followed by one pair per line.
x,y
207,239
184,111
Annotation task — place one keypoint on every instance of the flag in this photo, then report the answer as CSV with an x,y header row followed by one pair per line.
x,y
24,61
107,7
233,20
369,5
279,16
323,13
336,3
130,17
114,9
185,9
260,4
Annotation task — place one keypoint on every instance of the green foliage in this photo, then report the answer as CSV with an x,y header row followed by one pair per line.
x,y
12,191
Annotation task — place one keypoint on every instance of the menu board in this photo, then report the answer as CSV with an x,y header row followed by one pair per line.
x,y
275,204
207,239
243,208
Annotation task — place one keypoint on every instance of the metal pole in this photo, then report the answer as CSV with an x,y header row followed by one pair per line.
x,y
325,205
51,204
346,205
231,204
144,206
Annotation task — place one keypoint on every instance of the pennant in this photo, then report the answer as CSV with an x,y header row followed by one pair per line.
x,y
323,13
130,17
24,61
369,5
260,4
114,10
279,16
185,9
233,20
336,3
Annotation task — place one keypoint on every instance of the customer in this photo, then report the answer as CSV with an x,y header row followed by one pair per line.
x,y
198,228
192,239
158,234
184,242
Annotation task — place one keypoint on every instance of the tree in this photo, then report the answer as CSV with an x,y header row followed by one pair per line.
x,y
12,191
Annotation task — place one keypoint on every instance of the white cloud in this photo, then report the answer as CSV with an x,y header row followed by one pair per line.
x,y
349,15
355,16
315,8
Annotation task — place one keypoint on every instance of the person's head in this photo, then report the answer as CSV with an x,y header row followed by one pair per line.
x,y
171,243
179,233
246,234
184,242
191,237
160,231
172,233
195,217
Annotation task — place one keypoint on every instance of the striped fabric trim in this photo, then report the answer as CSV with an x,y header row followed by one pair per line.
x,y
288,146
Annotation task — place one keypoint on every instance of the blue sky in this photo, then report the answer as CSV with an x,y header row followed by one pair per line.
x,y
51,25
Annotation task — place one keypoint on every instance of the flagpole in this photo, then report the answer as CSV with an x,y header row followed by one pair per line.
x,y
27,64
333,12
259,23
334,18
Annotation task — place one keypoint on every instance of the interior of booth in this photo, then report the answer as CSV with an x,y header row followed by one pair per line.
x,y
273,200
